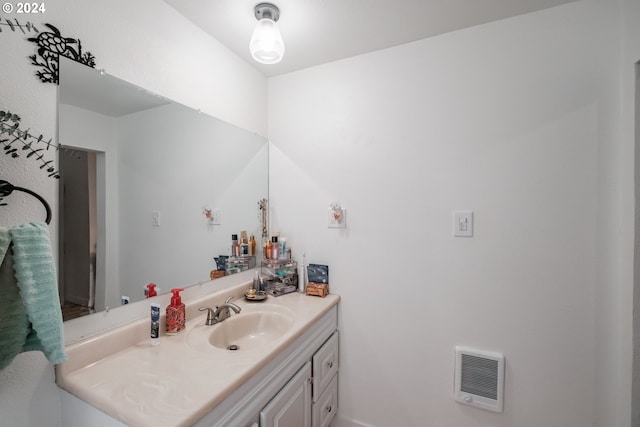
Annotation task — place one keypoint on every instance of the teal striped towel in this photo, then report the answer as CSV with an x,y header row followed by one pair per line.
x,y
30,315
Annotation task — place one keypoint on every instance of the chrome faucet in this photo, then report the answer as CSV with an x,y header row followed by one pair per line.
x,y
220,313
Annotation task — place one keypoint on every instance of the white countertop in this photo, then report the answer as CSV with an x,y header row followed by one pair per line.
x,y
175,383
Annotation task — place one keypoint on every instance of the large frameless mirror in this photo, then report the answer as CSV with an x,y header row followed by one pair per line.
x,y
138,173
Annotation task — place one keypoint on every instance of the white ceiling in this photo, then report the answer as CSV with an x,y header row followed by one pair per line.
x,y
320,31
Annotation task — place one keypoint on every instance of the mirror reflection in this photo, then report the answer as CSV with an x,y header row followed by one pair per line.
x,y
138,175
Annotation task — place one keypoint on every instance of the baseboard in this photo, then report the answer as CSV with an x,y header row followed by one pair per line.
x,y
340,421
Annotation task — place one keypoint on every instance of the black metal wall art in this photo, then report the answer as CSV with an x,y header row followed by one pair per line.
x,y
52,45
15,25
17,142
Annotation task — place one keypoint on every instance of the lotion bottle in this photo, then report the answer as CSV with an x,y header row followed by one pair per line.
x,y
176,313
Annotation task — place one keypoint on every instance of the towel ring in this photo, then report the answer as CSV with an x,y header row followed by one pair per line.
x,y
6,188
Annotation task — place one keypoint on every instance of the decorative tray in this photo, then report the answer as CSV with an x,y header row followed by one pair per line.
x,y
255,296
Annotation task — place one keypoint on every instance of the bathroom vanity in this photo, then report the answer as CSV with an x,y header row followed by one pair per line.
x,y
283,372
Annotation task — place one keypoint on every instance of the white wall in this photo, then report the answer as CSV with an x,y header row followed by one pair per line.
x,y
146,43
516,120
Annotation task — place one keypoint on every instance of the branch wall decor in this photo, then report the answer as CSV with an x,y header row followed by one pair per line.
x,y
29,27
51,45
16,142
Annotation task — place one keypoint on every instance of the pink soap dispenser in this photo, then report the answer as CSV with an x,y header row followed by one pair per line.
x,y
176,313
151,290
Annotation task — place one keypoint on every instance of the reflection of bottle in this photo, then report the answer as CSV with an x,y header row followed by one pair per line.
x,y
267,251
252,245
155,324
275,248
235,247
151,290
244,247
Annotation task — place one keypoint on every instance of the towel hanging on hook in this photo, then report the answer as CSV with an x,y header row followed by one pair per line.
x,y
7,188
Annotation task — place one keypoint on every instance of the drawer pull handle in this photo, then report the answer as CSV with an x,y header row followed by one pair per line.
x,y
329,408
330,365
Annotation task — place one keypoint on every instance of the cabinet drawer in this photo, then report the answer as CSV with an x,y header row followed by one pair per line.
x,y
326,407
325,365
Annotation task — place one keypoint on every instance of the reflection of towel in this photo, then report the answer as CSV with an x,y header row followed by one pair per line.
x,y
30,316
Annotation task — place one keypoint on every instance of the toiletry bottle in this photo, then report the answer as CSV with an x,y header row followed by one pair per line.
x,y
176,313
267,251
275,248
282,250
151,290
155,324
256,280
244,247
235,247
252,245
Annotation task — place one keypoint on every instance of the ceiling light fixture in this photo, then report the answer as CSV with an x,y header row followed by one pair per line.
x,y
266,44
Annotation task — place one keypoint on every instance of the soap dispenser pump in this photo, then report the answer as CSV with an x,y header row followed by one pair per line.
x,y
151,290
176,313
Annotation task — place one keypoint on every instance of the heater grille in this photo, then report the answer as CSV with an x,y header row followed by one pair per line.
x,y
479,378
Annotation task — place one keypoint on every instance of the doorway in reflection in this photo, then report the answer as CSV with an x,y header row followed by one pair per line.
x,y
78,222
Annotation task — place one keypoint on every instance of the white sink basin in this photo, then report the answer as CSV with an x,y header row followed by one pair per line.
x,y
250,330
247,330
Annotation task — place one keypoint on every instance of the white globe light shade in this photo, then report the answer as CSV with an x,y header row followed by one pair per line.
x,y
266,44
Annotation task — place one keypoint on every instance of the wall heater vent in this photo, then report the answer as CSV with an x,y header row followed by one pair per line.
x,y
479,378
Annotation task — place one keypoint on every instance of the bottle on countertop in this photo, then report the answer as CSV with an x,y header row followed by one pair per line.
x,y
256,280
155,324
267,249
235,246
282,250
275,248
176,313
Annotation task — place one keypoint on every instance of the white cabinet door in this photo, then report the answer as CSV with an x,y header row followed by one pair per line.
x,y
291,407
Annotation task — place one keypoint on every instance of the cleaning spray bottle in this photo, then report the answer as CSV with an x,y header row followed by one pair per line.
x,y
176,313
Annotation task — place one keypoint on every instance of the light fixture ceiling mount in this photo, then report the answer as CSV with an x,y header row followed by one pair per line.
x,y
268,11
266,44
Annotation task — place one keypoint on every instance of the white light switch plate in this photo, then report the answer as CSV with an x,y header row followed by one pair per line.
x,y
463,224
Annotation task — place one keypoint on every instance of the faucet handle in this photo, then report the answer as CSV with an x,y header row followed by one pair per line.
x,y
211,315
229,298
